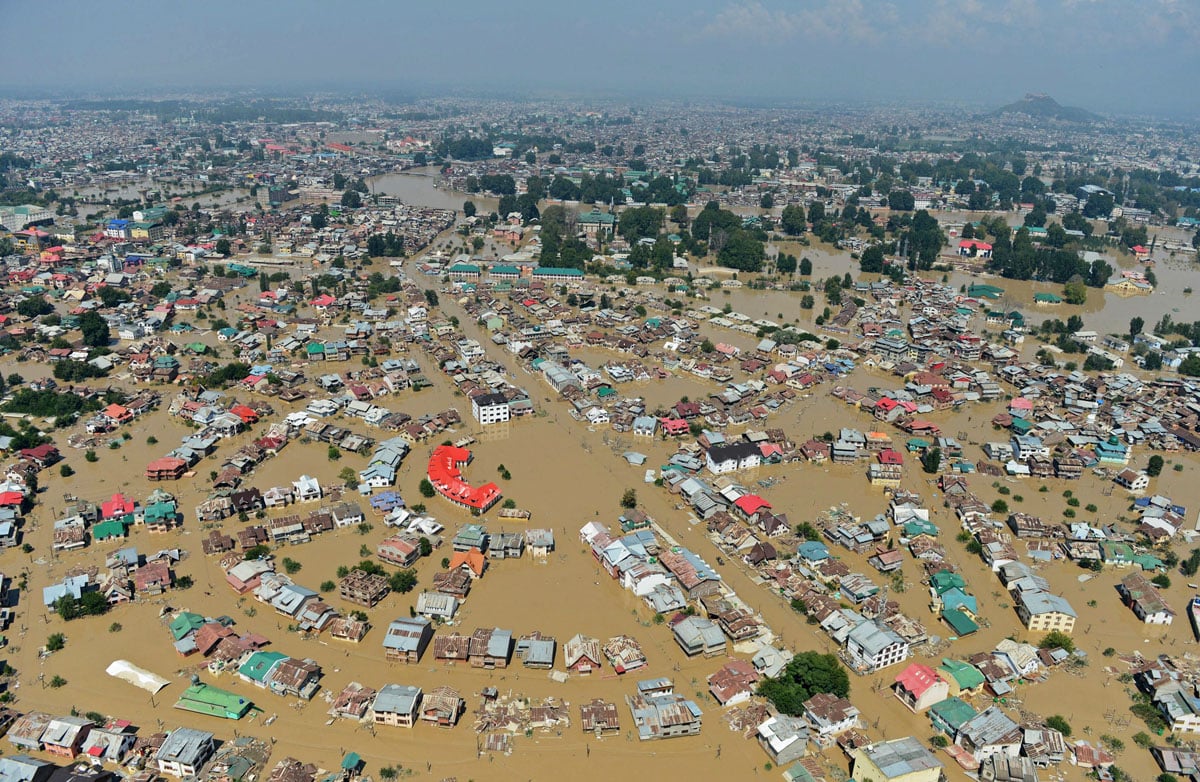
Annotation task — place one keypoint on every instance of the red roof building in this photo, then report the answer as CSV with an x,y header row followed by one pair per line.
x,y
674,426
168,468
119,505
749,504
245,413
918,687
447,479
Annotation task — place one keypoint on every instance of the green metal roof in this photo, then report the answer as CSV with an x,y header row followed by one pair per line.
x,y
959,622
158,511
558,270
953,712
113,528
945,580
966,675
260,664
185,623
213,701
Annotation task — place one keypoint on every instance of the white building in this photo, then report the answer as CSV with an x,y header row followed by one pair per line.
x,y
872,647
184,752
721,459
490,409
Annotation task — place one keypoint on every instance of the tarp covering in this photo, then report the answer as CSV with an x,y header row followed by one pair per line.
x,y
138,677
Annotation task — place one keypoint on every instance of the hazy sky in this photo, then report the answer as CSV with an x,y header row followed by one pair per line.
x,y
1120,56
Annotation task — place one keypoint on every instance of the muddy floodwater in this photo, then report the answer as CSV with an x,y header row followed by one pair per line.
x,y
566,474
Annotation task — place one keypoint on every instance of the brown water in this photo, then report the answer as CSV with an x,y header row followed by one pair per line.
x,y
566,475
417,186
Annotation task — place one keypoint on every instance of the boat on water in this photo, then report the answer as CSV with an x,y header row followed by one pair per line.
x,y
1194,615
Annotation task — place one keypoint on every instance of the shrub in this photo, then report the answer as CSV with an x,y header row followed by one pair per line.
x,y
1056,639
57,682
56,642
1059,723
629,499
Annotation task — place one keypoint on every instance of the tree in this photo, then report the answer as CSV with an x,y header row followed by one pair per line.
x,y
426,488
56,642
786,264
639,223
629,499
901,201
1057,639
469,208
742,251
766,202
34,307
808,531
1154,466
1059,723
999,506
1136,324
291,566
931,460
871,260
403,581
1098,205
805,267
1075,292
426,546
95,329
222,247
806,675
351,199
1190,366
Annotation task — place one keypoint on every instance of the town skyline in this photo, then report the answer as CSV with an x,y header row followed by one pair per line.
x,y
1108,57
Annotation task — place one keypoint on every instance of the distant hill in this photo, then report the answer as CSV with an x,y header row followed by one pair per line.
x,y
1042,106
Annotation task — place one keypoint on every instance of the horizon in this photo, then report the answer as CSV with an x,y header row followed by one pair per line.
x,y
1099,55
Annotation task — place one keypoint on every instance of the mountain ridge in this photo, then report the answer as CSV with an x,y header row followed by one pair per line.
x,y
1042,106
